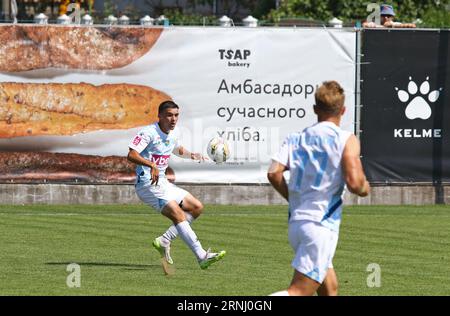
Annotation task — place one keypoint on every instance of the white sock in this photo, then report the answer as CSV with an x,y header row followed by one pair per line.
x,y
172,232
280,293
190,238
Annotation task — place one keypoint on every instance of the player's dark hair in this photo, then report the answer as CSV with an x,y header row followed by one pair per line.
x,y
167,105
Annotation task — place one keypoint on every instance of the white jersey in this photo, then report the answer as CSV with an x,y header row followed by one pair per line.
x,y
316,184
154,145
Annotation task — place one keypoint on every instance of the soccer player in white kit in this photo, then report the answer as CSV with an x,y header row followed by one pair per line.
x,y
321,160
150,149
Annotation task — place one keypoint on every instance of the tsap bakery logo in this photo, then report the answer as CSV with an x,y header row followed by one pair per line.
x,y
236,57
419,102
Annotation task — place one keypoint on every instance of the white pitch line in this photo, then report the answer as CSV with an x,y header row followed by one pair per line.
x,y
133,214
207,215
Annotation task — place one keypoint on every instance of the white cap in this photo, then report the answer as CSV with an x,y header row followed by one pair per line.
x,y
63,19
225,21
147,20
41,18
163,19
124,20
111,19
250,21
87,19
335,22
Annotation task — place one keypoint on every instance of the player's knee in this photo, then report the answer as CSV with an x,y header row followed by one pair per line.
x,y
174,213
331,289
198,208
334,288
179,216
194,207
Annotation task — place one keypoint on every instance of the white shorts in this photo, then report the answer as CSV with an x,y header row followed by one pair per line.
x,y
157,196
314,247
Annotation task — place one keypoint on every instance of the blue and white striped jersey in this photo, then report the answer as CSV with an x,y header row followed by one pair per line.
x,y
316,184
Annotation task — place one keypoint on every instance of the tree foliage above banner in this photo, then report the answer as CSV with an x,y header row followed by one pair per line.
x,y
433,13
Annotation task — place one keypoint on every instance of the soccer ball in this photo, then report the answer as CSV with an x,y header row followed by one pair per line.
x,y
218,150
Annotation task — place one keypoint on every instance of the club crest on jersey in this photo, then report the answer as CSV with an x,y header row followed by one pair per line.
x,y
157,140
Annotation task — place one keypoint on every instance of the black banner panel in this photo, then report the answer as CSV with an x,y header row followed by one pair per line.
x,y
405,115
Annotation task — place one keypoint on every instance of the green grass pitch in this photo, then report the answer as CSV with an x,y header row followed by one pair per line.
x,y
112,245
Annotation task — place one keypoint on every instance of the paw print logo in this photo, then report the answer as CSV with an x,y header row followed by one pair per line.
x,y
419,106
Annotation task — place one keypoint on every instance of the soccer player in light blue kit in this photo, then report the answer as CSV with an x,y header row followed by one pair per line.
x,y
321,160
150,149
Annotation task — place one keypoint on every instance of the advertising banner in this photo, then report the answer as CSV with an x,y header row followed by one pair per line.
x,y
405,106
72,98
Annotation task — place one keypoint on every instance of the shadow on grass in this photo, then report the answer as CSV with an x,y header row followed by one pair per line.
x,y
110,264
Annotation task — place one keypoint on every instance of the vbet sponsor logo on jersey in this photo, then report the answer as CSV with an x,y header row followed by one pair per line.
x,y
160,160
419,106
235,57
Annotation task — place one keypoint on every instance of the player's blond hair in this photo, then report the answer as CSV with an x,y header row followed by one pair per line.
x,y
330,98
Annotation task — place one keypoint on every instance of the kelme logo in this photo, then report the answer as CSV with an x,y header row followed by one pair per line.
x,y
419,102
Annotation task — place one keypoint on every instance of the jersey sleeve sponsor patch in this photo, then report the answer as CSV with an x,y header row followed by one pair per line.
x,y
140,141
136,140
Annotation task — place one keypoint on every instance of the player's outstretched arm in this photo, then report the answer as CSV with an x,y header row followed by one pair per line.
x,y
276,178
135,157
352,168
182,152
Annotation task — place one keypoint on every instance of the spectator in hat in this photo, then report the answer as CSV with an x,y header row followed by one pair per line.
x,y
387,16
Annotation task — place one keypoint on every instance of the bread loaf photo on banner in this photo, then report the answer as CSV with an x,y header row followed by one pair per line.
x,y
28,47
33,109
32,167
